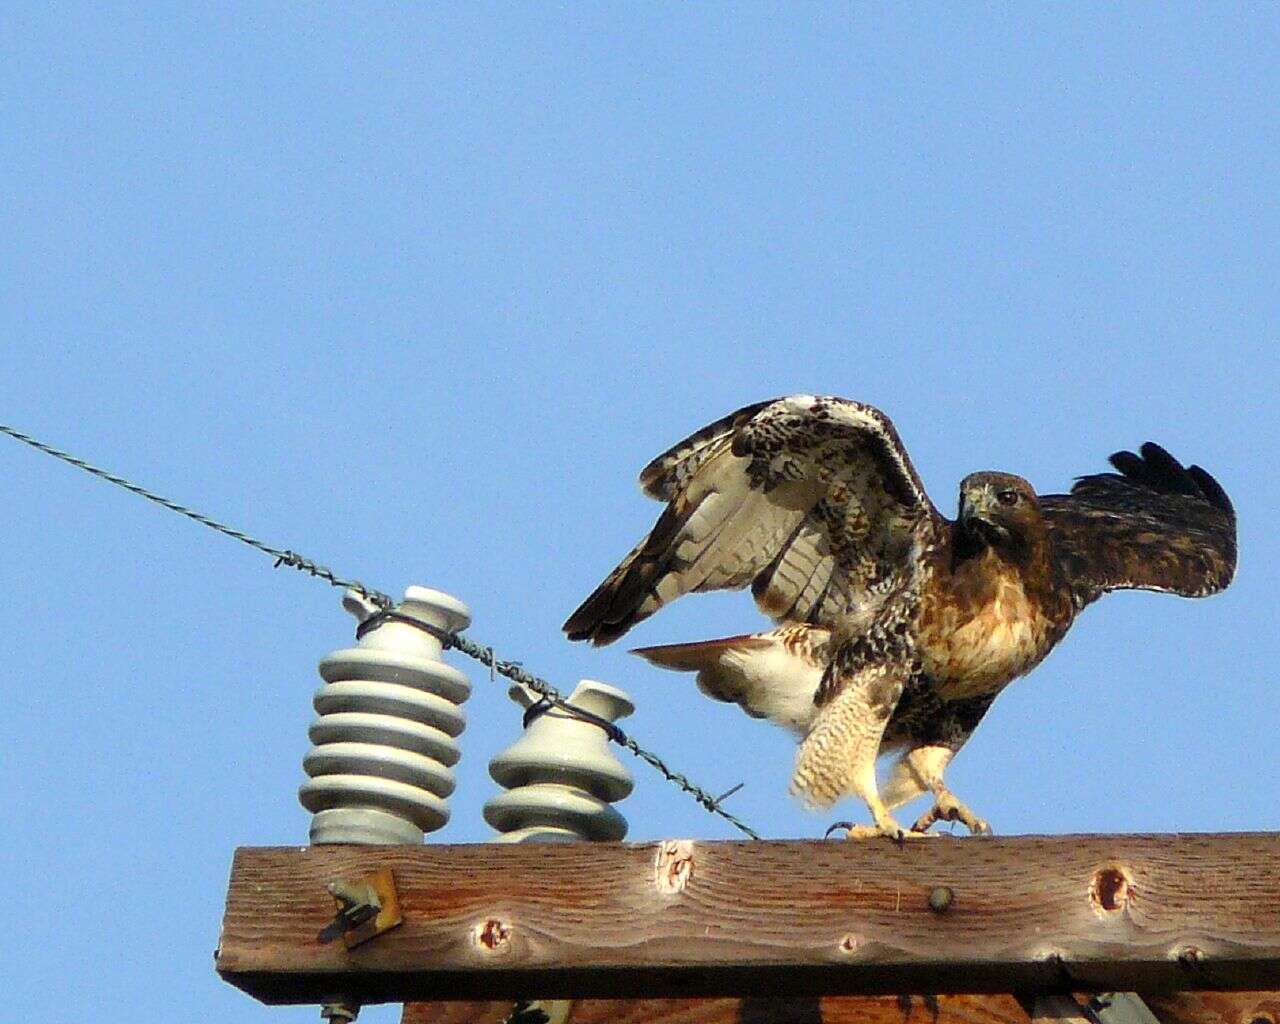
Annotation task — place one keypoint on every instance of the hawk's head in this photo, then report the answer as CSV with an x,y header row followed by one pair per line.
x,y
998,509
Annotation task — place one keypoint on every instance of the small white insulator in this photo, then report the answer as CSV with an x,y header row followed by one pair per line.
x,y
390,713
562,775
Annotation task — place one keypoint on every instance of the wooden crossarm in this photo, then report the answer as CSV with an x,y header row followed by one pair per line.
x,y
767,919
1172,1008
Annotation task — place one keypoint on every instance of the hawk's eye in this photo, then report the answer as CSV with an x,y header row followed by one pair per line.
x,y
1007,497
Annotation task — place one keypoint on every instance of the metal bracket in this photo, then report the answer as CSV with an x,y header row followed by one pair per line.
x,y
366,907
1121,1008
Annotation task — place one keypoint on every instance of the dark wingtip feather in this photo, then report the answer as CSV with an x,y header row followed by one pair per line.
x,y
1168,470
1159,456
1159,470
575,629
613,607
599,633
1130,465
589,623
586,622
1211,489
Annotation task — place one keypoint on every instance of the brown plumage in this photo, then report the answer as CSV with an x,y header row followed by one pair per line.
x,y
898,627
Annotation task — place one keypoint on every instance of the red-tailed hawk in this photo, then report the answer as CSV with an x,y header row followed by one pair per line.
x,y
897,626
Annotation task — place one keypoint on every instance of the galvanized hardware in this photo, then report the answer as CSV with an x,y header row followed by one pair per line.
x,y
339,1012
940,898
366,907
1121,1008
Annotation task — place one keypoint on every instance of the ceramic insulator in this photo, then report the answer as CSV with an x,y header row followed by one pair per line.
x,y
561,775
390,714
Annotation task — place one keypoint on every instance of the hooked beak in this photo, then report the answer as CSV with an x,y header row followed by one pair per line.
x,y
974,521
971,509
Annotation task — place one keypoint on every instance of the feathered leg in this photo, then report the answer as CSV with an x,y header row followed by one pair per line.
x,y
903,784
838,756
920,770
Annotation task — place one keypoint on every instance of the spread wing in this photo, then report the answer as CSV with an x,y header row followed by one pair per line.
x,y
1154,525
811,500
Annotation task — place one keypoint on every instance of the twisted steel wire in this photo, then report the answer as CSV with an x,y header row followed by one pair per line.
x,y
550,696
282,556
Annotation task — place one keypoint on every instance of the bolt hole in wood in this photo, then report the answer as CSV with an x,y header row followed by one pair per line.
x,y
1190,956
1110,889
492,935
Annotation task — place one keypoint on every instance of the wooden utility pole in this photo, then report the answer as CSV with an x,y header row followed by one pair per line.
x,y
1174,1008
768,920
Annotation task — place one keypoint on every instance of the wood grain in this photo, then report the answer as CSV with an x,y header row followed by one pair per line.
x,y
1175,1008
946,1009
1217,1007
1058,1008
774,919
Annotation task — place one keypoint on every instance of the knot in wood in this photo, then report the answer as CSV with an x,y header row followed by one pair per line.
x,y
1110,889
1190,956
673,867
492,934
850,943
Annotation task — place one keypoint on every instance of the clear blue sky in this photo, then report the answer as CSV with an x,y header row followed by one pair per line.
x,y
418,293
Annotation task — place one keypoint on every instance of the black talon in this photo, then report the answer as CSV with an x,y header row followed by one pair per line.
x,y
846,825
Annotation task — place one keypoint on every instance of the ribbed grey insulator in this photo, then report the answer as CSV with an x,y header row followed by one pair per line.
x,y
385,742
561,776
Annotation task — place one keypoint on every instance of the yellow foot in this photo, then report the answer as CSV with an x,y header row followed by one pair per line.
x,y
889,830
948,808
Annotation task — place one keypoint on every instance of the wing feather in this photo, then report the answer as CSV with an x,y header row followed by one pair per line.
x,y
796,580
1154,525
666,474
811,500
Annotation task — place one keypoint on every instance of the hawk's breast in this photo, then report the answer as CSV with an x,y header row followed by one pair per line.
x,y
974,640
